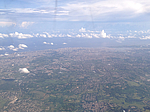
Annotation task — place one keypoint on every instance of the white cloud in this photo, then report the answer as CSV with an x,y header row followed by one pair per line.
x,y
15,49
82,30
36,35
97,10
64,43
121,37
26,24
43,35
35,11
20,35
11,47
24,70
3,35
146,37
103,34
68,35
3,24
52,43
22,46
84,35
95,35
61,35
62,13
2,48
54,35
88,36
106,9
6,54
45,43
31,10
78,35
47,34
131,36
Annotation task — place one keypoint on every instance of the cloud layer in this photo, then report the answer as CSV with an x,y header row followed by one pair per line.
x,y
81,33
103,10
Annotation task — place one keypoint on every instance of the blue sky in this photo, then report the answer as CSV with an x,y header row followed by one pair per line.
x,y
40,15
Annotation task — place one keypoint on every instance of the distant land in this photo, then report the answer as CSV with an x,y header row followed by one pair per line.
x,y
10,45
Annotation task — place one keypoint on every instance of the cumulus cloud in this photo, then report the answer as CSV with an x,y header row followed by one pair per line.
x,y
48,35
87,36
92,34
95,35
43,35
3,35
2,48
82,30
84,35
20,35
121,37
64,43
81,34
24,70
52,43
46,43
78,35
103,34
6,54
22,46
36,35
68,35
11,47
144,38
61,35
25,24
54,35
130,36
15,49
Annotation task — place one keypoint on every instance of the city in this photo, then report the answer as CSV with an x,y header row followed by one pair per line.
x,y
77,80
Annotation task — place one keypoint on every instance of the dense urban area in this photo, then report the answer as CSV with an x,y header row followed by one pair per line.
x,y
76,80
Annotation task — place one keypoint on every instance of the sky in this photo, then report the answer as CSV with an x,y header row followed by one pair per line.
x,y
30,16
